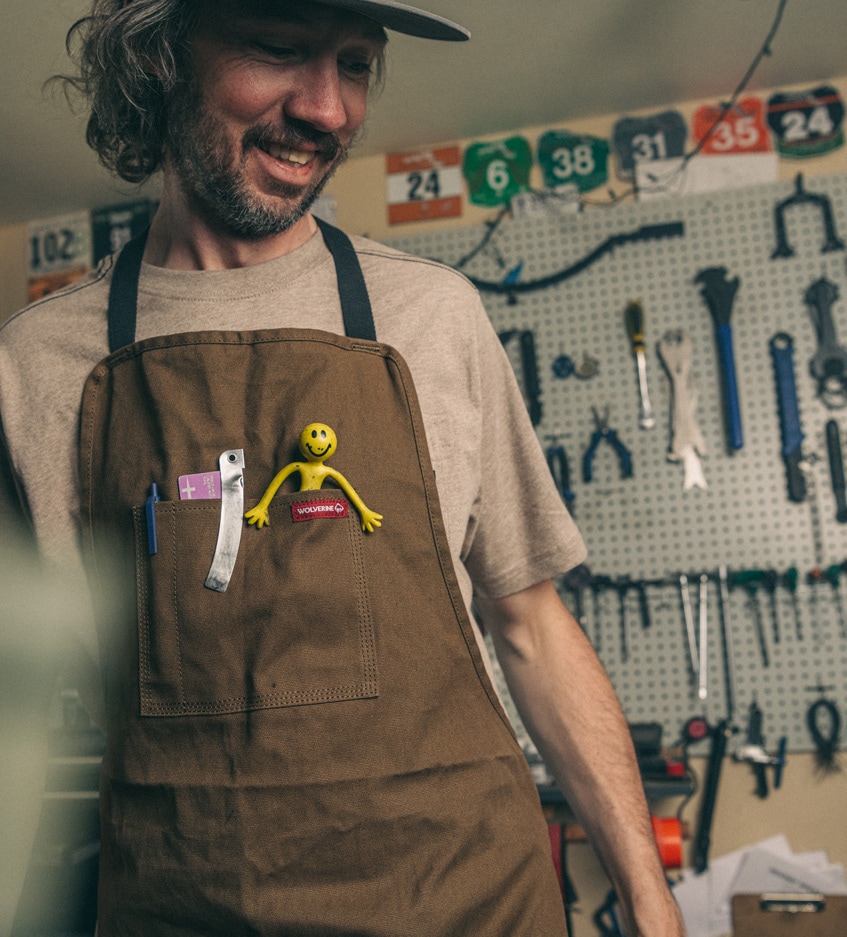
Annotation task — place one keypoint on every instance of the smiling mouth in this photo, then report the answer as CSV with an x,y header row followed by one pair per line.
x,y
288,154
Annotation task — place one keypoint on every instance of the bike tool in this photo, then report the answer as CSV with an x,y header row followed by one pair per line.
x,y
832,574
790,579
719,295
597,585
231,464
750,580
801,197
529,366
770,580
603,432
676,351
688,618
634,318
829,363
560,469
576,581
753,752
836,470
623,584
782,352
718,735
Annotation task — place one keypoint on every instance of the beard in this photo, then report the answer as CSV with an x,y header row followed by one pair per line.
x,y
213,174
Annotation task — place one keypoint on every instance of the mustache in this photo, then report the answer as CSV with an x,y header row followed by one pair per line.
x,y
295,134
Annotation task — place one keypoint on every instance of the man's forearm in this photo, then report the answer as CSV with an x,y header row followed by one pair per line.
x,y
572,713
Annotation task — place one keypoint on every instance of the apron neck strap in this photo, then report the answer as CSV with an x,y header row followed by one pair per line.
x,y
355,302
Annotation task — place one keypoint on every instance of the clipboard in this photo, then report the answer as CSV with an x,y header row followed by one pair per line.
x,y
789,915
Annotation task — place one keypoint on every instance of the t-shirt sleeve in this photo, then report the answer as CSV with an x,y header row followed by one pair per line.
x,y
520,531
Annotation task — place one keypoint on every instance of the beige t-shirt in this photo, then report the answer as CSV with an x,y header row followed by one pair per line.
x,y
506,524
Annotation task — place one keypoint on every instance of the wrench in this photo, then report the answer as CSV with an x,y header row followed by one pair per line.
x,y
719,294
829,363
676,352
685,597
702,691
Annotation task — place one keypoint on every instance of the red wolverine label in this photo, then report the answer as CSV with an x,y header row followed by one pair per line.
x,y
309,510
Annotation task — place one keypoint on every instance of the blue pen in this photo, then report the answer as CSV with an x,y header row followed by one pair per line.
x,y
150,507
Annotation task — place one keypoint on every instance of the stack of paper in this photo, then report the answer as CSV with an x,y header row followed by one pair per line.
x,y
769,866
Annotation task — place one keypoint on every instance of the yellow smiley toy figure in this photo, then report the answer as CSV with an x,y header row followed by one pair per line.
x,y
317,443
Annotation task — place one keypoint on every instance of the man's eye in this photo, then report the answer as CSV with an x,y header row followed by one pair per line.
x,y
277,52
362,69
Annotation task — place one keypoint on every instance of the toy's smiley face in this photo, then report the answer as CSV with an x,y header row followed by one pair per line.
x,y
317,442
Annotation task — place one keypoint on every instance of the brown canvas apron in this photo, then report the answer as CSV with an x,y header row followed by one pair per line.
x,y
317,750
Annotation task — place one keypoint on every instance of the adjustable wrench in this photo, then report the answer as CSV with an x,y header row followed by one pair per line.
x,y
829,363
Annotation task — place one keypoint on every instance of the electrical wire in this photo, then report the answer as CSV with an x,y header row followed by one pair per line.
x,y
494,224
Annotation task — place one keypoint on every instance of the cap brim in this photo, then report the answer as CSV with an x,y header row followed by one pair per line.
x,y
404,19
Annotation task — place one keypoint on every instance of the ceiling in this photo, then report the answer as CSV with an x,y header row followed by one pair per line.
x,y
529,63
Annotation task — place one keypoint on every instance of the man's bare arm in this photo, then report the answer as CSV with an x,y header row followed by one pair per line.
x,y
572,713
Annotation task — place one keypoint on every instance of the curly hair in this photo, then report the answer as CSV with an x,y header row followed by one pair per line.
x,y
131,56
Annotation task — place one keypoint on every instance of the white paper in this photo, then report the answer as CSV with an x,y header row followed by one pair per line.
x,y
669,178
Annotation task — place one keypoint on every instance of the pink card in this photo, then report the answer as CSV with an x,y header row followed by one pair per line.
x,y
200,485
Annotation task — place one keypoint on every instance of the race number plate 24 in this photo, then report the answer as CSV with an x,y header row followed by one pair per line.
x,y
808,123
424,184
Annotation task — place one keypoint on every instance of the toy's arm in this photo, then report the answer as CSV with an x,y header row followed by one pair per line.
x,y
259,514
370,519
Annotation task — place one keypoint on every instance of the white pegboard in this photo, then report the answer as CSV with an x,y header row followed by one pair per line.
x,y
646,527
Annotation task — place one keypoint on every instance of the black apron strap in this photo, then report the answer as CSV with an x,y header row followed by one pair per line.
x,y
123,293
355,302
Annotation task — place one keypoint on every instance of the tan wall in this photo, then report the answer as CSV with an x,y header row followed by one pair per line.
x,y
810,810
360,185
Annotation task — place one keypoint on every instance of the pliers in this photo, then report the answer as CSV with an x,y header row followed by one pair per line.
x,y
603,432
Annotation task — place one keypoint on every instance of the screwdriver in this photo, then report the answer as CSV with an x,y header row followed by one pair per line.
x,y
634,317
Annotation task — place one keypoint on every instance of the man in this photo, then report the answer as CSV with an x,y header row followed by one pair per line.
x,y
303,738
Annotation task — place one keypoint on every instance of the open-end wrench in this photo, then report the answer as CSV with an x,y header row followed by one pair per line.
x,y
829,363
634,317
676,351
719,295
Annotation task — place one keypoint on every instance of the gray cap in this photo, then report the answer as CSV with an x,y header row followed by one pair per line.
x,y
404,19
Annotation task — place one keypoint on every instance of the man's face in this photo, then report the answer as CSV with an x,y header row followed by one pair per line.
x,y
277,97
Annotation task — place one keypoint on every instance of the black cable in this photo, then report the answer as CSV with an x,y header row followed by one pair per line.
x,y
763,51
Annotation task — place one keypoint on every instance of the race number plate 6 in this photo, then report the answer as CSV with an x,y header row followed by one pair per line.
x,y
496,172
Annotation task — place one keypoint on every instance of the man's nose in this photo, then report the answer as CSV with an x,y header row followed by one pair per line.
x,y
317,98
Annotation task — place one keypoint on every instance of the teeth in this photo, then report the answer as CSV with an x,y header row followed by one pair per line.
x,y
299,157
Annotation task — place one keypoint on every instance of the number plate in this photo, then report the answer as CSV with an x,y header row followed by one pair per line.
x,y
642,139
742,130
807,123
62,243
496,172
424,184
577,159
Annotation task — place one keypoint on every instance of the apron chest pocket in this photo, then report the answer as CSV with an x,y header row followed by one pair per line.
x,y
294,626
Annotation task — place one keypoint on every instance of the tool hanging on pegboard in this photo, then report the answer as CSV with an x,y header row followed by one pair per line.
x,y
719,295
676,350
782,352
602,432
754,753
634,319
529,367
829,364
801,197
823,721
836,470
